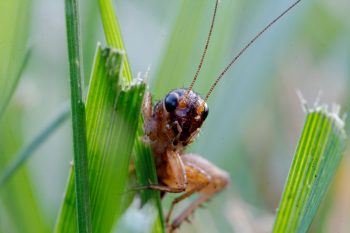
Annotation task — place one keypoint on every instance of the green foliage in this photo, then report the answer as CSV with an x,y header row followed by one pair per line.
x,y
113,34
13,45
17,197
18,201
78,117
21,157
111,113
143,158
316,160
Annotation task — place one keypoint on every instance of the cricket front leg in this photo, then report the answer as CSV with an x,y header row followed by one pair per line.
x,y
196,167
197,179
171,174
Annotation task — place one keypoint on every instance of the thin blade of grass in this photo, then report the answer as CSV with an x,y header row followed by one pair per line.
x,y
14,30
21,157
113,34
316,160
78,117
112,114
19,206
146,173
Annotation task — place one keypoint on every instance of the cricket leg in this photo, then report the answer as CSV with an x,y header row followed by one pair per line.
x,y
197,179
171,174
188,211
219,180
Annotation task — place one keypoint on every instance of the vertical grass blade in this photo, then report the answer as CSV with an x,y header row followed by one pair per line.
x,y
78,117
112,113
14,30
113,34
317,157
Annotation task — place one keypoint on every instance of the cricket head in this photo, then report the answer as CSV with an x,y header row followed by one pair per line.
x,y
186,112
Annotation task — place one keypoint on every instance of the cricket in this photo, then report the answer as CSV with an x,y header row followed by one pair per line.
x,y
129,116
172,124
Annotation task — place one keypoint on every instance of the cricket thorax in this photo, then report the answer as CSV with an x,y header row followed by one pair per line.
x,y
176,120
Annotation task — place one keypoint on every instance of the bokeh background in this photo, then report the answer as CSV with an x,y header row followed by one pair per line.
x,y
255,115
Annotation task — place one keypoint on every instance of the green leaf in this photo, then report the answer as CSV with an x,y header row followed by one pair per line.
x,y
146,174
14,30
112,113
23,155
316,160
113,34
78,117
19,206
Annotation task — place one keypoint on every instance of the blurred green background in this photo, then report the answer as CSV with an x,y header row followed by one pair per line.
x,y
255,115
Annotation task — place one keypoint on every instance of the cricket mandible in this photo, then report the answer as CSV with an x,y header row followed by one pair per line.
x,y
172,124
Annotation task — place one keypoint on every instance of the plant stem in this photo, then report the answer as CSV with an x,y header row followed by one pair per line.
x,y
78,117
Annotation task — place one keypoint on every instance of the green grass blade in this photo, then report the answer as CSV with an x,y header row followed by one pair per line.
x,y
78,117
146,173
317,157
21,157
113,34
14,30
111,113
19,206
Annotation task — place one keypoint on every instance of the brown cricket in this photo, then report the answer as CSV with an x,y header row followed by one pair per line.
x,y
171,125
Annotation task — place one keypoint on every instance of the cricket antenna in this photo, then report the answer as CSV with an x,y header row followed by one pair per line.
x,y
205,48
247,46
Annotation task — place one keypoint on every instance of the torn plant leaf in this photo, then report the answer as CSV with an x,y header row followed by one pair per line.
x,y
320,150
112,113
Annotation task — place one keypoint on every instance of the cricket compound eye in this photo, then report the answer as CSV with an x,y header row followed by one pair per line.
x,y
171,101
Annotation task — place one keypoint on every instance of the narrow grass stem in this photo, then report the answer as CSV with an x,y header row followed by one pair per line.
x,y
28,150
78,117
